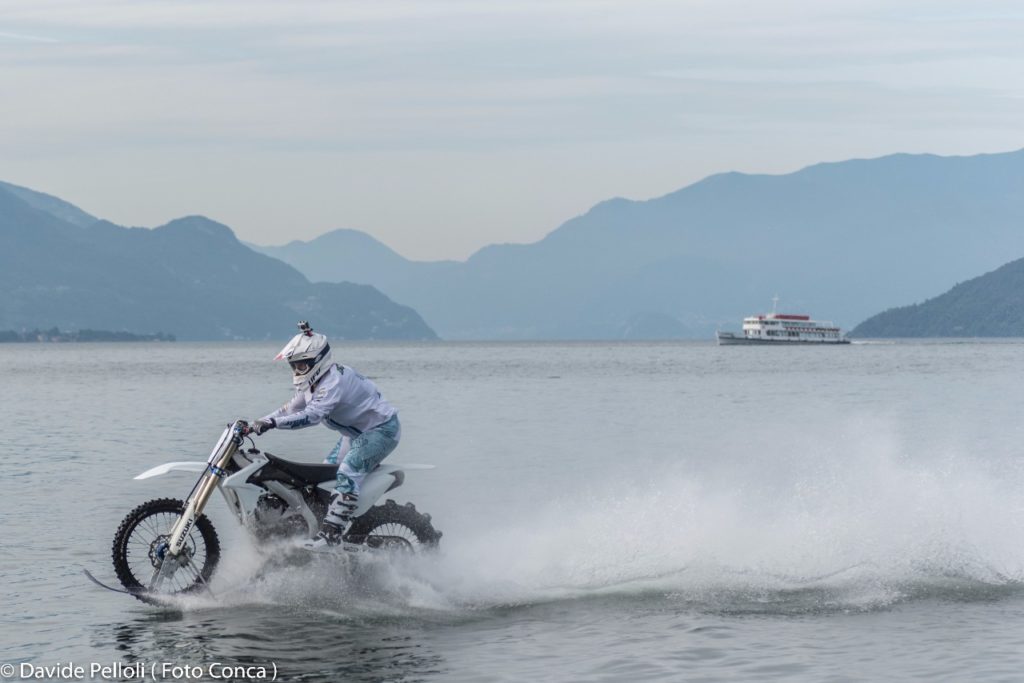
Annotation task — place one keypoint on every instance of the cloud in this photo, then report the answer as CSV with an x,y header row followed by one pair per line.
x,y
637,97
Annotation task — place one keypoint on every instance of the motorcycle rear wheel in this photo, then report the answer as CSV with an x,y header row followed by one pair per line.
x,y
136,550
394,527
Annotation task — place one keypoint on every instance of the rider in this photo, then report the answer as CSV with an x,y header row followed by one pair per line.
x,y
346,402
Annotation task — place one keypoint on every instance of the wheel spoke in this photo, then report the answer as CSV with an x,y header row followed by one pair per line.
x,y
394,535
150,526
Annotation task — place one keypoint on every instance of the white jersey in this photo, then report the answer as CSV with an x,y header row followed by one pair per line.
x,y
343,400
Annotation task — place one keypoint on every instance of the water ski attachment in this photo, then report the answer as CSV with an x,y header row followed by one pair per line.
x,y
144,596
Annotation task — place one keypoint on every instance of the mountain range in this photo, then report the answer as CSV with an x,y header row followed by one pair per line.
x,y
840,241
990,305
60,266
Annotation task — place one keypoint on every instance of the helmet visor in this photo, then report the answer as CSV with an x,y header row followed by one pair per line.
x,y
301,367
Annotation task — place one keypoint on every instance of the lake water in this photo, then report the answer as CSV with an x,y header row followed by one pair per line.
x,y
675,511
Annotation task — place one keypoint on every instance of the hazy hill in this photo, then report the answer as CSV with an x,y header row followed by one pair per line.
x,y
988,306
840,241
50,204
353,256
191,277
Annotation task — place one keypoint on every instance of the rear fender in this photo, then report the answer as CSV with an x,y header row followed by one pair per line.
x,y
377,483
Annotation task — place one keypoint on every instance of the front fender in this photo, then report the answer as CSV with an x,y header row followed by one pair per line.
x,y
173,467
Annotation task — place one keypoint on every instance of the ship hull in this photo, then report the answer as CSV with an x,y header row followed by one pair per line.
x,y
730,339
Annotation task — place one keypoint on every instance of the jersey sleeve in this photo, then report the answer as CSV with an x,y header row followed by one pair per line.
x,y
297,403
325,399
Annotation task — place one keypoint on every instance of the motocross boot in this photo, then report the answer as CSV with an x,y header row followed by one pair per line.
x,y
336,521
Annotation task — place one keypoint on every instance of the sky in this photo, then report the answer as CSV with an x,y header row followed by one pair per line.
x,y
442,126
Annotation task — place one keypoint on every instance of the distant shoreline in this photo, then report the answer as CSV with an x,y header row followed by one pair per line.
x,y
55,336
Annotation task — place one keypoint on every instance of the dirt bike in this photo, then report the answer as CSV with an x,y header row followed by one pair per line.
x,y
166,547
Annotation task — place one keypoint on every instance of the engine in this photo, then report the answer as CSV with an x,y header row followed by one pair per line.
x,y
273,518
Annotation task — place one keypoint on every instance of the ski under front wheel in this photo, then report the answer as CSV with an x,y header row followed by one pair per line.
x,y
140,543
394,527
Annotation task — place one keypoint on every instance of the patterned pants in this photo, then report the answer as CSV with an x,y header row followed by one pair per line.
x,y
364,453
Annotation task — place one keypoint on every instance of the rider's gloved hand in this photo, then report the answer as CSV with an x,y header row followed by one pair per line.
x,y
259,426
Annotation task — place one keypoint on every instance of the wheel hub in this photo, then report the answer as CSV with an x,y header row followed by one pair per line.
x,y
158,551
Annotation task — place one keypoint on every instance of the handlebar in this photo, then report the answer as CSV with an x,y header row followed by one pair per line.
x,y
239,429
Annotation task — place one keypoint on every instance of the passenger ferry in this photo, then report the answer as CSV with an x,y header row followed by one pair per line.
x,y
783,328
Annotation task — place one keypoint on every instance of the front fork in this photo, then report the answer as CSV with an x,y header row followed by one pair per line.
x,y
173,554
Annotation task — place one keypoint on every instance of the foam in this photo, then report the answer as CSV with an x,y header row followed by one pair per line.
x,y
855,524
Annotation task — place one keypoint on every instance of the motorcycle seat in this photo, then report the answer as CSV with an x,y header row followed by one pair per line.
x,y
311,473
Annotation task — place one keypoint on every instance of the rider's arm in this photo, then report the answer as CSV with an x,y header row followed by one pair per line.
x,y
297,403
326,397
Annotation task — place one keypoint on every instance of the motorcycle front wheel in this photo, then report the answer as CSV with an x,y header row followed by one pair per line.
x,y
140,542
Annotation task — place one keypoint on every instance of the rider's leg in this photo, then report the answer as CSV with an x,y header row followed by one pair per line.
x,y
339,451
366,452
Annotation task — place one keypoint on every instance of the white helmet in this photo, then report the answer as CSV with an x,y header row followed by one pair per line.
x,y
309,355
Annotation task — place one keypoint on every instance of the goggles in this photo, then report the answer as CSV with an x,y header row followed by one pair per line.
x,y
301,367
